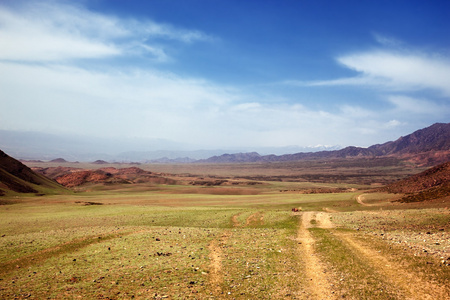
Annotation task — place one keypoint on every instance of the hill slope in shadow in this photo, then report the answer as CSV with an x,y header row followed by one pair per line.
x,y
15,177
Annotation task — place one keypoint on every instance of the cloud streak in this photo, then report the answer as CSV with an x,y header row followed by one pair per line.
x,y
72,32
401,71
393,70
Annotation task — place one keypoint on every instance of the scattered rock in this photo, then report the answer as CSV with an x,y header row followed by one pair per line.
x,y
163,254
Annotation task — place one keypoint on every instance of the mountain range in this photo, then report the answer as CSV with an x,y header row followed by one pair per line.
x,y
428,146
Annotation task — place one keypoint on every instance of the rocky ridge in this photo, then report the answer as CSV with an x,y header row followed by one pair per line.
x,y
73,177
433,183
428,147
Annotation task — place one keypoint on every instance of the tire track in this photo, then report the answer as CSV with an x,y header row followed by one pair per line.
x,y
411,286
216,258
360,200
235,221
324,220
314,270
255,219
215,266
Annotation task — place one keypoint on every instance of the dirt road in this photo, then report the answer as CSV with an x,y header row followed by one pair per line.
x,y
319,281
364,271
216,257
360,200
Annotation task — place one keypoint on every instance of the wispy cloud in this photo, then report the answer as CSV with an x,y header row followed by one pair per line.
x,y
69,31
401,71
25,36
416,106
359,80
392,69
387,40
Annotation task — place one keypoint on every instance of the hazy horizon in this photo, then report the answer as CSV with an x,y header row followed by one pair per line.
x,y
39,146
223,74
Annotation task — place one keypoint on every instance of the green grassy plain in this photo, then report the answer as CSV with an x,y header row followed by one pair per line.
x,y
179,242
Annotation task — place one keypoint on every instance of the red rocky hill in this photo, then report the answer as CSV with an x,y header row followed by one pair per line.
x,y
433,183
72,177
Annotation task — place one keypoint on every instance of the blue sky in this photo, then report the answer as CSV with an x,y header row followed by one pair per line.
x,y
225,74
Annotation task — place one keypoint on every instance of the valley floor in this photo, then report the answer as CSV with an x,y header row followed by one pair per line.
x,y
162,245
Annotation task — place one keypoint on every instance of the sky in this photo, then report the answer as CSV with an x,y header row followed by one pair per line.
x,y
225,74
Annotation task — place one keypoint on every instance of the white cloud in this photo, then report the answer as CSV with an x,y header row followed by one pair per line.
x,y
358,80
387,40
405,104
29,38
420,81
252,106
55,31
401,71
392,124
353,111
392,70
158,105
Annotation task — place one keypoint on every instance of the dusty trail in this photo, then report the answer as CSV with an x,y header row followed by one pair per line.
x,y
235,221
324,220
410,284
216,258
360,200
314,270
330,210
255,219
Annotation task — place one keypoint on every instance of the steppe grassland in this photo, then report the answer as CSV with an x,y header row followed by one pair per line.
x,y
159,241
58,247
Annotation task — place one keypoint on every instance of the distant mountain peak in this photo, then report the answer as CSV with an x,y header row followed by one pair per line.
x,y
59,160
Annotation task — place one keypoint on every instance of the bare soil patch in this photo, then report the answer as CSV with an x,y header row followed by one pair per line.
x,y
324,220
255,219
